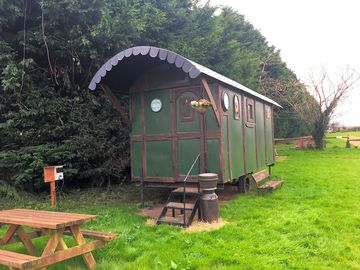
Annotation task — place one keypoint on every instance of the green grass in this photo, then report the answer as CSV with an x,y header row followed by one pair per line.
x,y
312,222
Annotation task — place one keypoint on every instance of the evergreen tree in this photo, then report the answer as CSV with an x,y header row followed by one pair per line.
x,y
49,51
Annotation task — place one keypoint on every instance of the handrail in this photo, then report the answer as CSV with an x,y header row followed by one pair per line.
x,y
184,184
192,166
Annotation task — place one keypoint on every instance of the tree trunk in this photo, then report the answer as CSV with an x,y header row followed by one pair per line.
x,y
318,133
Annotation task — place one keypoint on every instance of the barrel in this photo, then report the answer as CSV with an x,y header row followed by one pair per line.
x,y
208,203
209,207
208,181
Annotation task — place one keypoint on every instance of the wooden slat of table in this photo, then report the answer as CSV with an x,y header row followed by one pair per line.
x,y
42,219
51,217
54,215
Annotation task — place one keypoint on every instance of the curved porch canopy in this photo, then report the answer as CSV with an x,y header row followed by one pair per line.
x,y
126,66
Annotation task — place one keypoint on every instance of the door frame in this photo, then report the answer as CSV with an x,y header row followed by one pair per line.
x,y
198,91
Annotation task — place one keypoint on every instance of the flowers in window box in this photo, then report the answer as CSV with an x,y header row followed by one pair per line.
x,y
200,105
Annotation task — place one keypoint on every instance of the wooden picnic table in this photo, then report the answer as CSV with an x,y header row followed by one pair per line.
x,y
52,224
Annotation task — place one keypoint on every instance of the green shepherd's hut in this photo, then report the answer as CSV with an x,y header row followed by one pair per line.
x,y
234,138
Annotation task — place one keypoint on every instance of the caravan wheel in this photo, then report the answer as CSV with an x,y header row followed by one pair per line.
x,y
244,183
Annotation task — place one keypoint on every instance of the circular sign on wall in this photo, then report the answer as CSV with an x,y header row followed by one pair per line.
x,y
156,105
225,102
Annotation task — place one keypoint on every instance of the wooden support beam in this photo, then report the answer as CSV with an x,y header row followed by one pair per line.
x,y
59,256
80,240
212,100
26,241
8,235
117,105
52,244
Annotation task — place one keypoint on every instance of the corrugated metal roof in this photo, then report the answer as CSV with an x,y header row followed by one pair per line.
x,y
192,68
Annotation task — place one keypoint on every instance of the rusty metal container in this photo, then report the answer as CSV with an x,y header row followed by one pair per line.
x,y
208,181
209,207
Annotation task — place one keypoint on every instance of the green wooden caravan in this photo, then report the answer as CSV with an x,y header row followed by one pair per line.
x,y
234,138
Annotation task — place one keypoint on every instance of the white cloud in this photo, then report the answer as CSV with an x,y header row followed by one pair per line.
x,y
310,34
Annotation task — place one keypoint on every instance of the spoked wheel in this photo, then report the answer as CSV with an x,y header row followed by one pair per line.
x,y
244,183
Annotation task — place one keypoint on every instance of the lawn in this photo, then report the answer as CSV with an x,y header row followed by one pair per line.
x,y
312,222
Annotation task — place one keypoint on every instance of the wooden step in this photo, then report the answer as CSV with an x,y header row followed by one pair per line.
x,y
261,175
271,185
16,260
180,205
188,190
172,220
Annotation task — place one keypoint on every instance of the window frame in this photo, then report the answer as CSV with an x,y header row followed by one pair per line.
x,y
185,101
250,114
236,99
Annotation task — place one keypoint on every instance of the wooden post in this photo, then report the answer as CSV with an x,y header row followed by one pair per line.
x,y
53,194
212,100
51,175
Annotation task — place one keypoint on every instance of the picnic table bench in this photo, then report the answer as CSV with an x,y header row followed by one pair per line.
x,y
52,224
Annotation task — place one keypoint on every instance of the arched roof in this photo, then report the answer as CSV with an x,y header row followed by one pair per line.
x,y
128,64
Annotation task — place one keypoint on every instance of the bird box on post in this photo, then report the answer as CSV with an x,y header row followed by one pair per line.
x,y
51,175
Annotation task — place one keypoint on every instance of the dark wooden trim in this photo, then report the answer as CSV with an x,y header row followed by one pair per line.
x,y
265,132
222,154
173,116
159,179
212,100
256,141
143,131
155,179
244,134
191,178
180,135
185,101
196,89
250,122
136,138
229,147
146,138
272,133
211,135
188,135
202,144
117,105
131,138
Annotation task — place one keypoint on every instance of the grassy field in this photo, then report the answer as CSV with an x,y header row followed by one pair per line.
x,y
312,222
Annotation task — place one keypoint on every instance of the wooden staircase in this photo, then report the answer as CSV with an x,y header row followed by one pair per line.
x,y
269,185
183,203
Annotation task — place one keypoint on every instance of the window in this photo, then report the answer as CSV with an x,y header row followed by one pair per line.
x,y
236,107
250,113
225,102
187,114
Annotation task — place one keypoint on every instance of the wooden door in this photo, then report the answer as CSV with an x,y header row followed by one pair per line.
x,y
188,128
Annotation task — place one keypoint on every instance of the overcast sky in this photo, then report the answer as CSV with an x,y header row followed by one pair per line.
x,y
310,34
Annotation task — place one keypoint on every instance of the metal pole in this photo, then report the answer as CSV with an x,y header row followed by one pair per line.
x,y
205,143
184,185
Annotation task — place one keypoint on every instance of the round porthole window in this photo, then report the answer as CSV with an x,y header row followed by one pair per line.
x,y
225,102
156,105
